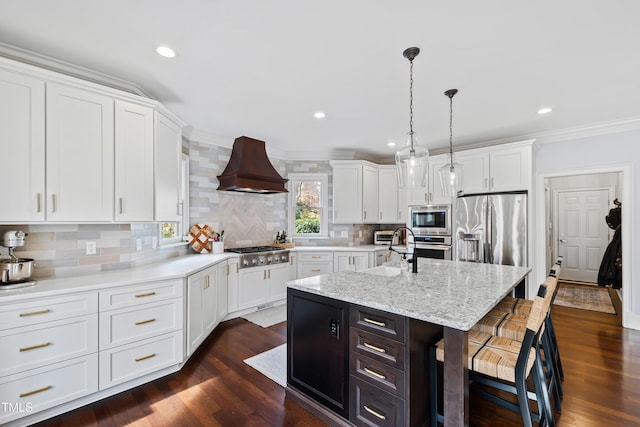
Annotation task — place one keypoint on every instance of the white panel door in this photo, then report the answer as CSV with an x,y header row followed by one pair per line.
x,y
22,145
167,155
583,234
370,211
347,194
388,195
134,162
476,172
80,155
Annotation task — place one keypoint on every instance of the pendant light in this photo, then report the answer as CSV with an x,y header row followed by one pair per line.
x,y
451,173
412,161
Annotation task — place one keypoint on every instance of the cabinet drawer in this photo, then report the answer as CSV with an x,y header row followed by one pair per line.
x,y
316,256
369,406
43,388
378,374
123,326
130,361
47,310
34,346
308,269
379,322
378,348
128,296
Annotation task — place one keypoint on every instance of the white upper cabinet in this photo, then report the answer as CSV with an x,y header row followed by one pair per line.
x,y
22,142
496,169
134,162
369,194
389,208
80,155
168,152
433,193
347,193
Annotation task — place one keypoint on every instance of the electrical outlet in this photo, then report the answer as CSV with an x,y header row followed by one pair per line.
x,y
360,233
345,233
154,242
332,233
139,244
91,248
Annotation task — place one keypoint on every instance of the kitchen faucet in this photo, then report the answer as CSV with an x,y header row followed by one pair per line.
x,y
414,258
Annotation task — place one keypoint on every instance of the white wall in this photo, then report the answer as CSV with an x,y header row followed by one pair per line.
x,y
601,153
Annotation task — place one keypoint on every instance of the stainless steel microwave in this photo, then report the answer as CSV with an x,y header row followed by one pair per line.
x,y
432,220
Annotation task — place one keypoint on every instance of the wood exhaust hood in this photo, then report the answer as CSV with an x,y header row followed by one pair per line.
x,y
250,171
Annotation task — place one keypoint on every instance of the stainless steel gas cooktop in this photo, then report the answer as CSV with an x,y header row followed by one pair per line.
x,y
256,256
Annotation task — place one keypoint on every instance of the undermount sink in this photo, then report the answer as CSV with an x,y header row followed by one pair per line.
x,y
383,270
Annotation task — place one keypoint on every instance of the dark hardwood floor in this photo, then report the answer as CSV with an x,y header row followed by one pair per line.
x,y
216,388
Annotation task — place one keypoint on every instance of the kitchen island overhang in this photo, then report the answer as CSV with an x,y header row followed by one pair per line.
x,y
452,296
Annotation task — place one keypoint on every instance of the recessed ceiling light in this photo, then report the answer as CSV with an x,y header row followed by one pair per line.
x,y
544,110
391,144
165,51
319,115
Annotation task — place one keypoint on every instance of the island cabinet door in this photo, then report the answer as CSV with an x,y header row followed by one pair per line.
x,y
318,339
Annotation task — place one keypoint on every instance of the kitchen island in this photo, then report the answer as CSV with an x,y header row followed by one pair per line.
x,y
372,330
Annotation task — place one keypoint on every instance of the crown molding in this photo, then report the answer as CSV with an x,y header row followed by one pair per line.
x,y
63,67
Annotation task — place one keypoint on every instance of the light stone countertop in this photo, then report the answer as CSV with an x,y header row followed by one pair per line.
x,y
361,248
451,294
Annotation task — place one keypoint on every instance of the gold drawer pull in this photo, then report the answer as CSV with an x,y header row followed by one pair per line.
x,y
315,257
374,348
145,321
33,313
40,390
375,322
374,413
145,295
315,269
33,347
140,359
375,374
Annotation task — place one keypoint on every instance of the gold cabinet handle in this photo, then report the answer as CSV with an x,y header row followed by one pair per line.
x,y
375,322
40,390
38,203
143,322
374,348
53,203
33,347
228,269
145,295
33,313
315,257
269,274
375,413
140,359
264,275
375,374
315,269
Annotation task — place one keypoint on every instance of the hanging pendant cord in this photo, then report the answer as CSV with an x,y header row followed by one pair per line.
x,y
411,102
451,129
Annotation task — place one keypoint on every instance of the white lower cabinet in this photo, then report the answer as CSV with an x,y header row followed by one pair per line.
x,y
350,261
232,284
207,303
261,285
314,263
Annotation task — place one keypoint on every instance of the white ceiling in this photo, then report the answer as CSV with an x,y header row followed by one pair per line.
x,y
262,68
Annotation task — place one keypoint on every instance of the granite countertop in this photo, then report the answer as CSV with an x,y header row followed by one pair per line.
x,y
361,248
447,293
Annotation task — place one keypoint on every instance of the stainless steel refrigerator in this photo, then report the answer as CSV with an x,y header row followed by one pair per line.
x,y
492,228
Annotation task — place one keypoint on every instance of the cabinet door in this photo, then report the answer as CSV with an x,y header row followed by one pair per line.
x,y
417,196
22,143
277,276
80,155
476,172
370,209
252,287
388,199
360,261
134,162
222,290
232,285
195,328
342,262
439,191
347,194
167,155
293,274
510,169
210,300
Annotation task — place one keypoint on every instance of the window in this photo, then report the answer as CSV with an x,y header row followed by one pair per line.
x,y
308,205
172,232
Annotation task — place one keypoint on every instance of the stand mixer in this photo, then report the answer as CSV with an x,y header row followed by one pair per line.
x,y
14,270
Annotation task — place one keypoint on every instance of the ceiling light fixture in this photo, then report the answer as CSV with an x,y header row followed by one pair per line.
x,y
319,115
391,144
545,110
451,173
412,161
165,51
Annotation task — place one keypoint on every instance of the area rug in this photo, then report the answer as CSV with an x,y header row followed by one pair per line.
x,y
272,364
268,316
586,297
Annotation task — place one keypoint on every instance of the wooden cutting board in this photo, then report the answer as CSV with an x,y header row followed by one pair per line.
x,y
199,236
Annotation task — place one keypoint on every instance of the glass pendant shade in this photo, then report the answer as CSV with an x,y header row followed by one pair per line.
x,y
451,179
412,164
